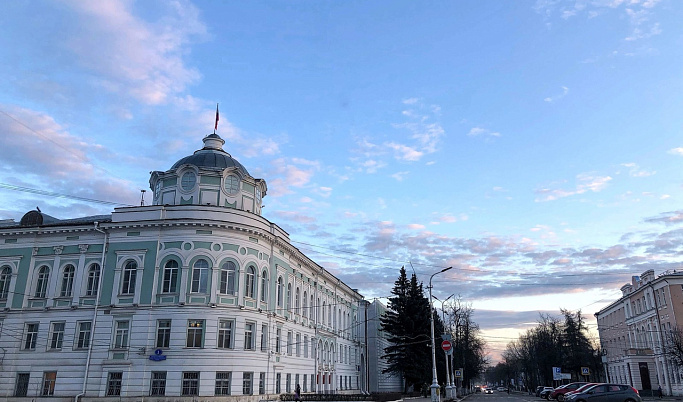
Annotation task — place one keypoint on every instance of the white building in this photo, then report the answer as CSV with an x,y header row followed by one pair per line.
x,y
195,295
376,341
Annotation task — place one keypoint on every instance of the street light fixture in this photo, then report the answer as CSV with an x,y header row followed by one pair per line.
x,y
435,383
449,372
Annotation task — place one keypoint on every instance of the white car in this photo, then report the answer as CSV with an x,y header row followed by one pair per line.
x,y
488,391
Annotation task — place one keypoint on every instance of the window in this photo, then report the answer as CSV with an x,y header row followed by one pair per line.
x,y
312,308
200,276
305,382
56,335
278,380
232,184
170,281
262,383
158,385
264,286
264,337
304,311
297,301
288,383
312,382
247,382
114,383
21,384
227,283
83,334
298,345
5,278
305,346
280,289
195,334
249,336
67,281
49,379
31,336
289,343
93,280
289,296
329,314
130,271
278,335
190,383
258,194
225,334
223,379
41,283
163,334
121,334
296,381
249,283
187,182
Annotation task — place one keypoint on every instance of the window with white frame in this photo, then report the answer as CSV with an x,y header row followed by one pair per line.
x,y
247,383
279,290
83,330
304,311
114,380
30,336
289,343
5,278
163,333
289,296
42,281
262,383
121,334
249,329
170,277
225,328
195,334
298,344
297,301
227,284
305,345
200,276
93,280
278,336
223,379
67,281
250,282
56,335
264,337
49,381
278,381
130,271
264,286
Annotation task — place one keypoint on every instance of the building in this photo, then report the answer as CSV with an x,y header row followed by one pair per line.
x,y
376,341
633,332
195,295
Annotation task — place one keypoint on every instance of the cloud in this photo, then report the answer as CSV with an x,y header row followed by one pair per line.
x,y
483,132
398,176
290,173
586,182
676,151
404,152
636,171
557,97
667,218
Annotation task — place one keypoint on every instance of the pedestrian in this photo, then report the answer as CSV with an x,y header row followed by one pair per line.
x,y
297,393
659,391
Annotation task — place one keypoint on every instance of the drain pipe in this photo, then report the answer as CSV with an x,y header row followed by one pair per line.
x,y
97,304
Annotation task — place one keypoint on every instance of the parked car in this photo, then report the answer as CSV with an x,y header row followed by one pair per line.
x,y
559,392
545,392
606,393
581,389
501,389
539,389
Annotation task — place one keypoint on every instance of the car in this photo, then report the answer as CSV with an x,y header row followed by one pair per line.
x,y
581,389
488,391
539,389
545,392
477,389
501,389
606,393
559,392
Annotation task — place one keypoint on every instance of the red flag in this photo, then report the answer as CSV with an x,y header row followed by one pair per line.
x,y
216,126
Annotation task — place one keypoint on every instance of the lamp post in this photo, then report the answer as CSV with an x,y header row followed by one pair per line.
x,y
435,383
449,382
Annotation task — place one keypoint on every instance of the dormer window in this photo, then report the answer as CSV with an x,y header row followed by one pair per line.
x,y
232,184
188,181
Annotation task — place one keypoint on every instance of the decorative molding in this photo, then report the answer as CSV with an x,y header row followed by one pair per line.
x,y
34,252
83,248
58,249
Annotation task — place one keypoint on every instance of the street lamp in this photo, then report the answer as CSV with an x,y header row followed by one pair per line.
x,y
449,380
435,383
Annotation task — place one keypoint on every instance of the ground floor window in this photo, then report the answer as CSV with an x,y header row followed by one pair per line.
x,y
49,380
305,388
114,383
190,383
21,386
247,383
288,383
278,379
262,383
158,386
223,382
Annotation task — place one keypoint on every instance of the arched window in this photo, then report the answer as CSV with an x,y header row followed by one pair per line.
x,y
228,273
250,282
280,289
323,320
297,301
41,283
170,278
5,278
200,276
312,307
289,296
93,280
264,286
304,310
67,281
329,314
129,275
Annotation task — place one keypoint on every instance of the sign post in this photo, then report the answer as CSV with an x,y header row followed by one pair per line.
x,y
447,347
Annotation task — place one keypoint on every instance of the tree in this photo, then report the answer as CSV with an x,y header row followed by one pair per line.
x,y
673,345
469,348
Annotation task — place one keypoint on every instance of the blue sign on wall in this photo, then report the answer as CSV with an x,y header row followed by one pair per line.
x,y
158,356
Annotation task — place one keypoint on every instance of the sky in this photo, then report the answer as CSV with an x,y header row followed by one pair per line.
x,y
534,146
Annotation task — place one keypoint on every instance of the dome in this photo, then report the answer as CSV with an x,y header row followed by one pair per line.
x,y
211,156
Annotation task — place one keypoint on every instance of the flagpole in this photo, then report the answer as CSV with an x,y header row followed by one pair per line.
x,y
215,127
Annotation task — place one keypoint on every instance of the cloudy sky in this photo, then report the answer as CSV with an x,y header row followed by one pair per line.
x,y
535,146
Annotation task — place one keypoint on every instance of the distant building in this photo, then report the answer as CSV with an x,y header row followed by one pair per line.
x,y
633,331
195,295
377,340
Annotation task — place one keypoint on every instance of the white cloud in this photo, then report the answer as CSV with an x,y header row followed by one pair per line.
x,y
399,175
405,153
586,182
552,99
287,174
676,151
636,171
416,226
480,131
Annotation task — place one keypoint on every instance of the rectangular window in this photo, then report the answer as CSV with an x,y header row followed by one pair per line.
x,y
298,345
288,382
264,338
249,336
121,334
278,335
296,381
289,343
247,381
305,382
114,383
83,334
223,379
163,333
278,380
49,380
312,382
190,383
158,385
31,336
225,334
21,385
56,335
305,346
195,334
262,383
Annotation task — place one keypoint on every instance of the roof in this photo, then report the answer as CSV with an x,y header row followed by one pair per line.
x,y
36,218
211,158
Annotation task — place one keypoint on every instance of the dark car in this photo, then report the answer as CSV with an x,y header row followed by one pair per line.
x,y
558,393
606,393
581,389
539,389
545,392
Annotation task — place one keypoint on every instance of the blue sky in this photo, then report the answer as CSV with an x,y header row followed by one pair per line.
x,y
535,146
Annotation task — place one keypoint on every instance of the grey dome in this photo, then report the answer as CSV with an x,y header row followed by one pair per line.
x,y
212,156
